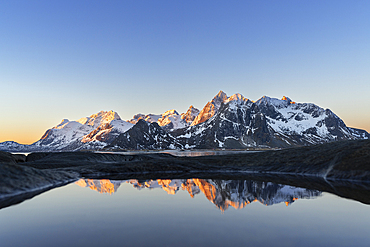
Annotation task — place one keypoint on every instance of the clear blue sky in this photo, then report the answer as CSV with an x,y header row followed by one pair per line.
x,y
70,59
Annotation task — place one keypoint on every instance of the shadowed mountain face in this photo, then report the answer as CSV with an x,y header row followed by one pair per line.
x,y
145,135
222,193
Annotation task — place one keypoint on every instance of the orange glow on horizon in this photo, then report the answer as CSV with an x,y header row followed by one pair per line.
x,y
21,139
20,134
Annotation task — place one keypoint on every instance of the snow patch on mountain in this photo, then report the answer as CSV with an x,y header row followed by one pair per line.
x,y
295,120
172,120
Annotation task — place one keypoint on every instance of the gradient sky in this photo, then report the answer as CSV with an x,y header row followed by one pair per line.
x,y
71,59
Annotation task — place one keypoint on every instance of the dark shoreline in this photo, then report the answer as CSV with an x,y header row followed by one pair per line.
x,y
336,167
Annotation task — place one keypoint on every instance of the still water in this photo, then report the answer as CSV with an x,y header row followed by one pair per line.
x,y
185,212
186,153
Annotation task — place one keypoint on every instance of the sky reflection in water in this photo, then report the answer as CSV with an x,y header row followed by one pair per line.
x,y
184,212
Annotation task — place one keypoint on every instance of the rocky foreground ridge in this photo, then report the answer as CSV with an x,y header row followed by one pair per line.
x,y
233,122
320,165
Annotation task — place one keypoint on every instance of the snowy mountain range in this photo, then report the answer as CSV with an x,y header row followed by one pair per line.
x,y
92,132
237,122
222,193
224,122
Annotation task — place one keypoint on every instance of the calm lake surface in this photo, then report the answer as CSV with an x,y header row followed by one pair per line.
x,y
187,153
184,212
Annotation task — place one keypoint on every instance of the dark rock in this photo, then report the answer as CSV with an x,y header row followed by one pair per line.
x,y
6,158
349,160
9,158
22,180
36,156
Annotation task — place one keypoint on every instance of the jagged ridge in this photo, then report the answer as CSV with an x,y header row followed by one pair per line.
x,y
224,122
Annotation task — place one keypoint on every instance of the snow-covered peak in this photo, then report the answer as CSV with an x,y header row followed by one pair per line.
x,y
138,116
171,118
68,125
279,103
64,121
83,120
210,109
100,127
221,97
106,115
221,94
150,118
236,97
103,117
99,118
62,124
170,112
288,100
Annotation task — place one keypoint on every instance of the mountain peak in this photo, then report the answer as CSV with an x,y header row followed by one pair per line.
x,y
210,108
106,116
288,100
65,120
62,124
101,117
236,97
190,114
279,103
221,96
221,93
170,112
171,119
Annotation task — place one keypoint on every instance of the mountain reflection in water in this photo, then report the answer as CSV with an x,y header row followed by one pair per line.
x,y
222,193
